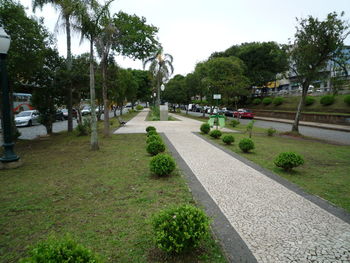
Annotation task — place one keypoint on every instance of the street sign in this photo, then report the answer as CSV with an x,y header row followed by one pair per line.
x,y
217,96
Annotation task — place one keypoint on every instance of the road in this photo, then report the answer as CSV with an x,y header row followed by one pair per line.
x,y
30,133
319,133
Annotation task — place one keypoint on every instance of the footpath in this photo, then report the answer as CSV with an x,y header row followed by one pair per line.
x,y
260,218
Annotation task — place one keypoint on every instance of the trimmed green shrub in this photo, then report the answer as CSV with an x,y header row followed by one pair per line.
x,y
154,138
347,99
151,132
205,128
64,250
149,128
309,100
246,145
215,134
267,101
277,101
84,128
162,164
288,160
180,229
256,101
271,131
228,139
139,107
327,100
234,123
155,147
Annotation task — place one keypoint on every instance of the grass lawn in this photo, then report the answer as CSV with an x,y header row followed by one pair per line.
x,y
326,172
104,199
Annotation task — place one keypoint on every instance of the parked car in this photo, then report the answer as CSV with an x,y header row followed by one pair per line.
x,y
59,115
98,109
65,113
244,114
229,112
86,110
27,118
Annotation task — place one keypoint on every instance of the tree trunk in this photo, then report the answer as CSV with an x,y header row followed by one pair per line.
x,y
105,97
93,140
69,68
295,127
115,111
48,127
121,110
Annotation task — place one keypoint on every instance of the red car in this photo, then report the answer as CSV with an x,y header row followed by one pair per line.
x,y
244,114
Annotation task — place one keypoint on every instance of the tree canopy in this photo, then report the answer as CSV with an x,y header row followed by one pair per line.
x,y
262,60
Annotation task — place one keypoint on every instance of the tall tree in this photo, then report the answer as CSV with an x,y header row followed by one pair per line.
x,y
89,16
263,60
29,40
316,44
175,91
161,67
226,76
48,94
128,35
66,9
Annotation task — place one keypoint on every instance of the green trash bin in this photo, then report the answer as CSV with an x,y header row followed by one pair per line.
x,y
221,121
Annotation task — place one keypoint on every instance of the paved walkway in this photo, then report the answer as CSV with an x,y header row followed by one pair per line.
x,y
276,223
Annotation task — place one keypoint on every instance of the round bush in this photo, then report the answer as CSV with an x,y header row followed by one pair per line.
x,y
162,164
155,147
267,101
205,128
327,100
256,101
153,138
151,132
215,134
150,128
234,123
246,145
288,160
139,107
347,99
180,229
228,139
65,250
271,131
277,101
309,100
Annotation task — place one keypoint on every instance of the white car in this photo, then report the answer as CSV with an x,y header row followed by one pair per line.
x,y
27,118
86,110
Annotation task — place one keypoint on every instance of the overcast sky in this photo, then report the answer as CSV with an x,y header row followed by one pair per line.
x,y
190,30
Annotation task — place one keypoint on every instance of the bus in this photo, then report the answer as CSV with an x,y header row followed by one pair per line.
x,y
21,102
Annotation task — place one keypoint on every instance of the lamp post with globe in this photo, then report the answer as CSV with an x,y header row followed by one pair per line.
x,y
9,154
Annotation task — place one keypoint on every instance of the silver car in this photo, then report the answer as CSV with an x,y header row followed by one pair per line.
x,y
27,118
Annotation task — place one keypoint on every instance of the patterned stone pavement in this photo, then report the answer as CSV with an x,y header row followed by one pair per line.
x,y
277,224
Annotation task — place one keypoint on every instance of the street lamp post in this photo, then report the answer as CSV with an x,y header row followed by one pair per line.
x,y
9,154
162,89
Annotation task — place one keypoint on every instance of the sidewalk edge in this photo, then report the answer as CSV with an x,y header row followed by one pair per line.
x,y
234,248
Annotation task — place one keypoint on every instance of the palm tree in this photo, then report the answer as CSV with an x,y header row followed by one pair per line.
x,y
103,45
66,9
161,67
89,16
